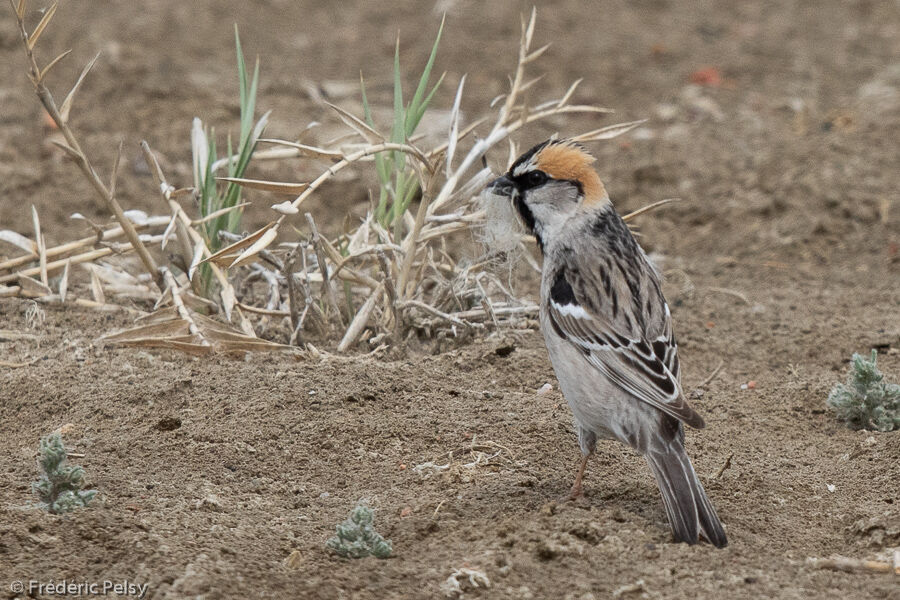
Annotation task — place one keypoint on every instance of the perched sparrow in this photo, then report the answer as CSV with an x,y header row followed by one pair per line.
x,y
608,328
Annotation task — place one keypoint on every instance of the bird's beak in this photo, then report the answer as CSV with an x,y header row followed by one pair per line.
x,y
502,186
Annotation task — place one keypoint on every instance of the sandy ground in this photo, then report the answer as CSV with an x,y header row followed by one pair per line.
x,y
785,261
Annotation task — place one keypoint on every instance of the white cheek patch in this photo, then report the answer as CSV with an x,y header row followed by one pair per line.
x,y
571,310
502,230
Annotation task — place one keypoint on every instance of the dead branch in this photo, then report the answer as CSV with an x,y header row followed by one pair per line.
x,y
327,290
73,148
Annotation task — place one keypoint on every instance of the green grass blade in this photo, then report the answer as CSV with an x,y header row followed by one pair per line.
x,y
398,133
417,116
231,162
418,96
381,166
251,105
208,192
247,93
381,209
242,74
367,111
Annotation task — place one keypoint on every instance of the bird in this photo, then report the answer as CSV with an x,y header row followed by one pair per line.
x,y
608,328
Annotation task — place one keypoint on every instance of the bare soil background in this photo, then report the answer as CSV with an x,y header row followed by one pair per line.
x,y
784,262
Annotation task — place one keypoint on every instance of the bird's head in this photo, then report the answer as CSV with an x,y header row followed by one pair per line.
x,y
549,184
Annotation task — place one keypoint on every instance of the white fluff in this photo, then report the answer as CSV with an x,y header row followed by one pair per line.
x,y
502,230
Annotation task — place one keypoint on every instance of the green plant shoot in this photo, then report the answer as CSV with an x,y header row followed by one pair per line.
x,y
215,198
398,183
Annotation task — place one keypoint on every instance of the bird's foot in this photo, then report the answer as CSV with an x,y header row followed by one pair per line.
x,y
576,494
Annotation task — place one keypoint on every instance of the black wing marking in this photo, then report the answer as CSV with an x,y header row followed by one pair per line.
x,y
648,370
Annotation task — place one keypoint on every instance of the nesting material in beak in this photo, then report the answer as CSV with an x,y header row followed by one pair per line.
x,y
502,229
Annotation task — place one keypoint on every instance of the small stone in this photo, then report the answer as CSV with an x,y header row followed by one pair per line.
x,y
210,502
294,560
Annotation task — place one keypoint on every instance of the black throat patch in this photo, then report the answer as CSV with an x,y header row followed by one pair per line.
x,y
528,219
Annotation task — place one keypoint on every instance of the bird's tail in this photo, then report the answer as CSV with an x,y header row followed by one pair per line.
x,y
688,508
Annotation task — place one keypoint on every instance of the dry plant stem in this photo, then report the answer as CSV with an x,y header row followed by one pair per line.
x,y
74,150
502,311
264,311
63,249
486,304
437,313
183,311
391,294
854,565
228,296
165,191
650,207
316,242
360,320
712,375
354,157
293,295
41,246
331,172
54,266
309,303
263,254
32,288
411,241
19,365
725,466
108,307
731,292
349,274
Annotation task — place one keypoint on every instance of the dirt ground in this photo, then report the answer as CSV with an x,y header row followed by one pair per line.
x,y
223,478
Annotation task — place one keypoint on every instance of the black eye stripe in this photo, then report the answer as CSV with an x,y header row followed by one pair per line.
x,y
533,179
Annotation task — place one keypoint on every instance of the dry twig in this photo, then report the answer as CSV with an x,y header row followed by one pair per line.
x,y
72,147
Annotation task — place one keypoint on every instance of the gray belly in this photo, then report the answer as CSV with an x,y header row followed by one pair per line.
x,y
599,406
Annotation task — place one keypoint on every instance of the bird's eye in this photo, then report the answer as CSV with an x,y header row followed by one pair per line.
x,y
536,178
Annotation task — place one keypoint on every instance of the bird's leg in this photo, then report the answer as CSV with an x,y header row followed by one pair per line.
x,y
577,491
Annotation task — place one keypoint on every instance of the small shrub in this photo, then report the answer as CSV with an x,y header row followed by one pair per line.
x,y
59,487
866,401
356,537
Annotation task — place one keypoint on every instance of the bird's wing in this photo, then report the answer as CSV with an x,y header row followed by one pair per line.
x,y
603,322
